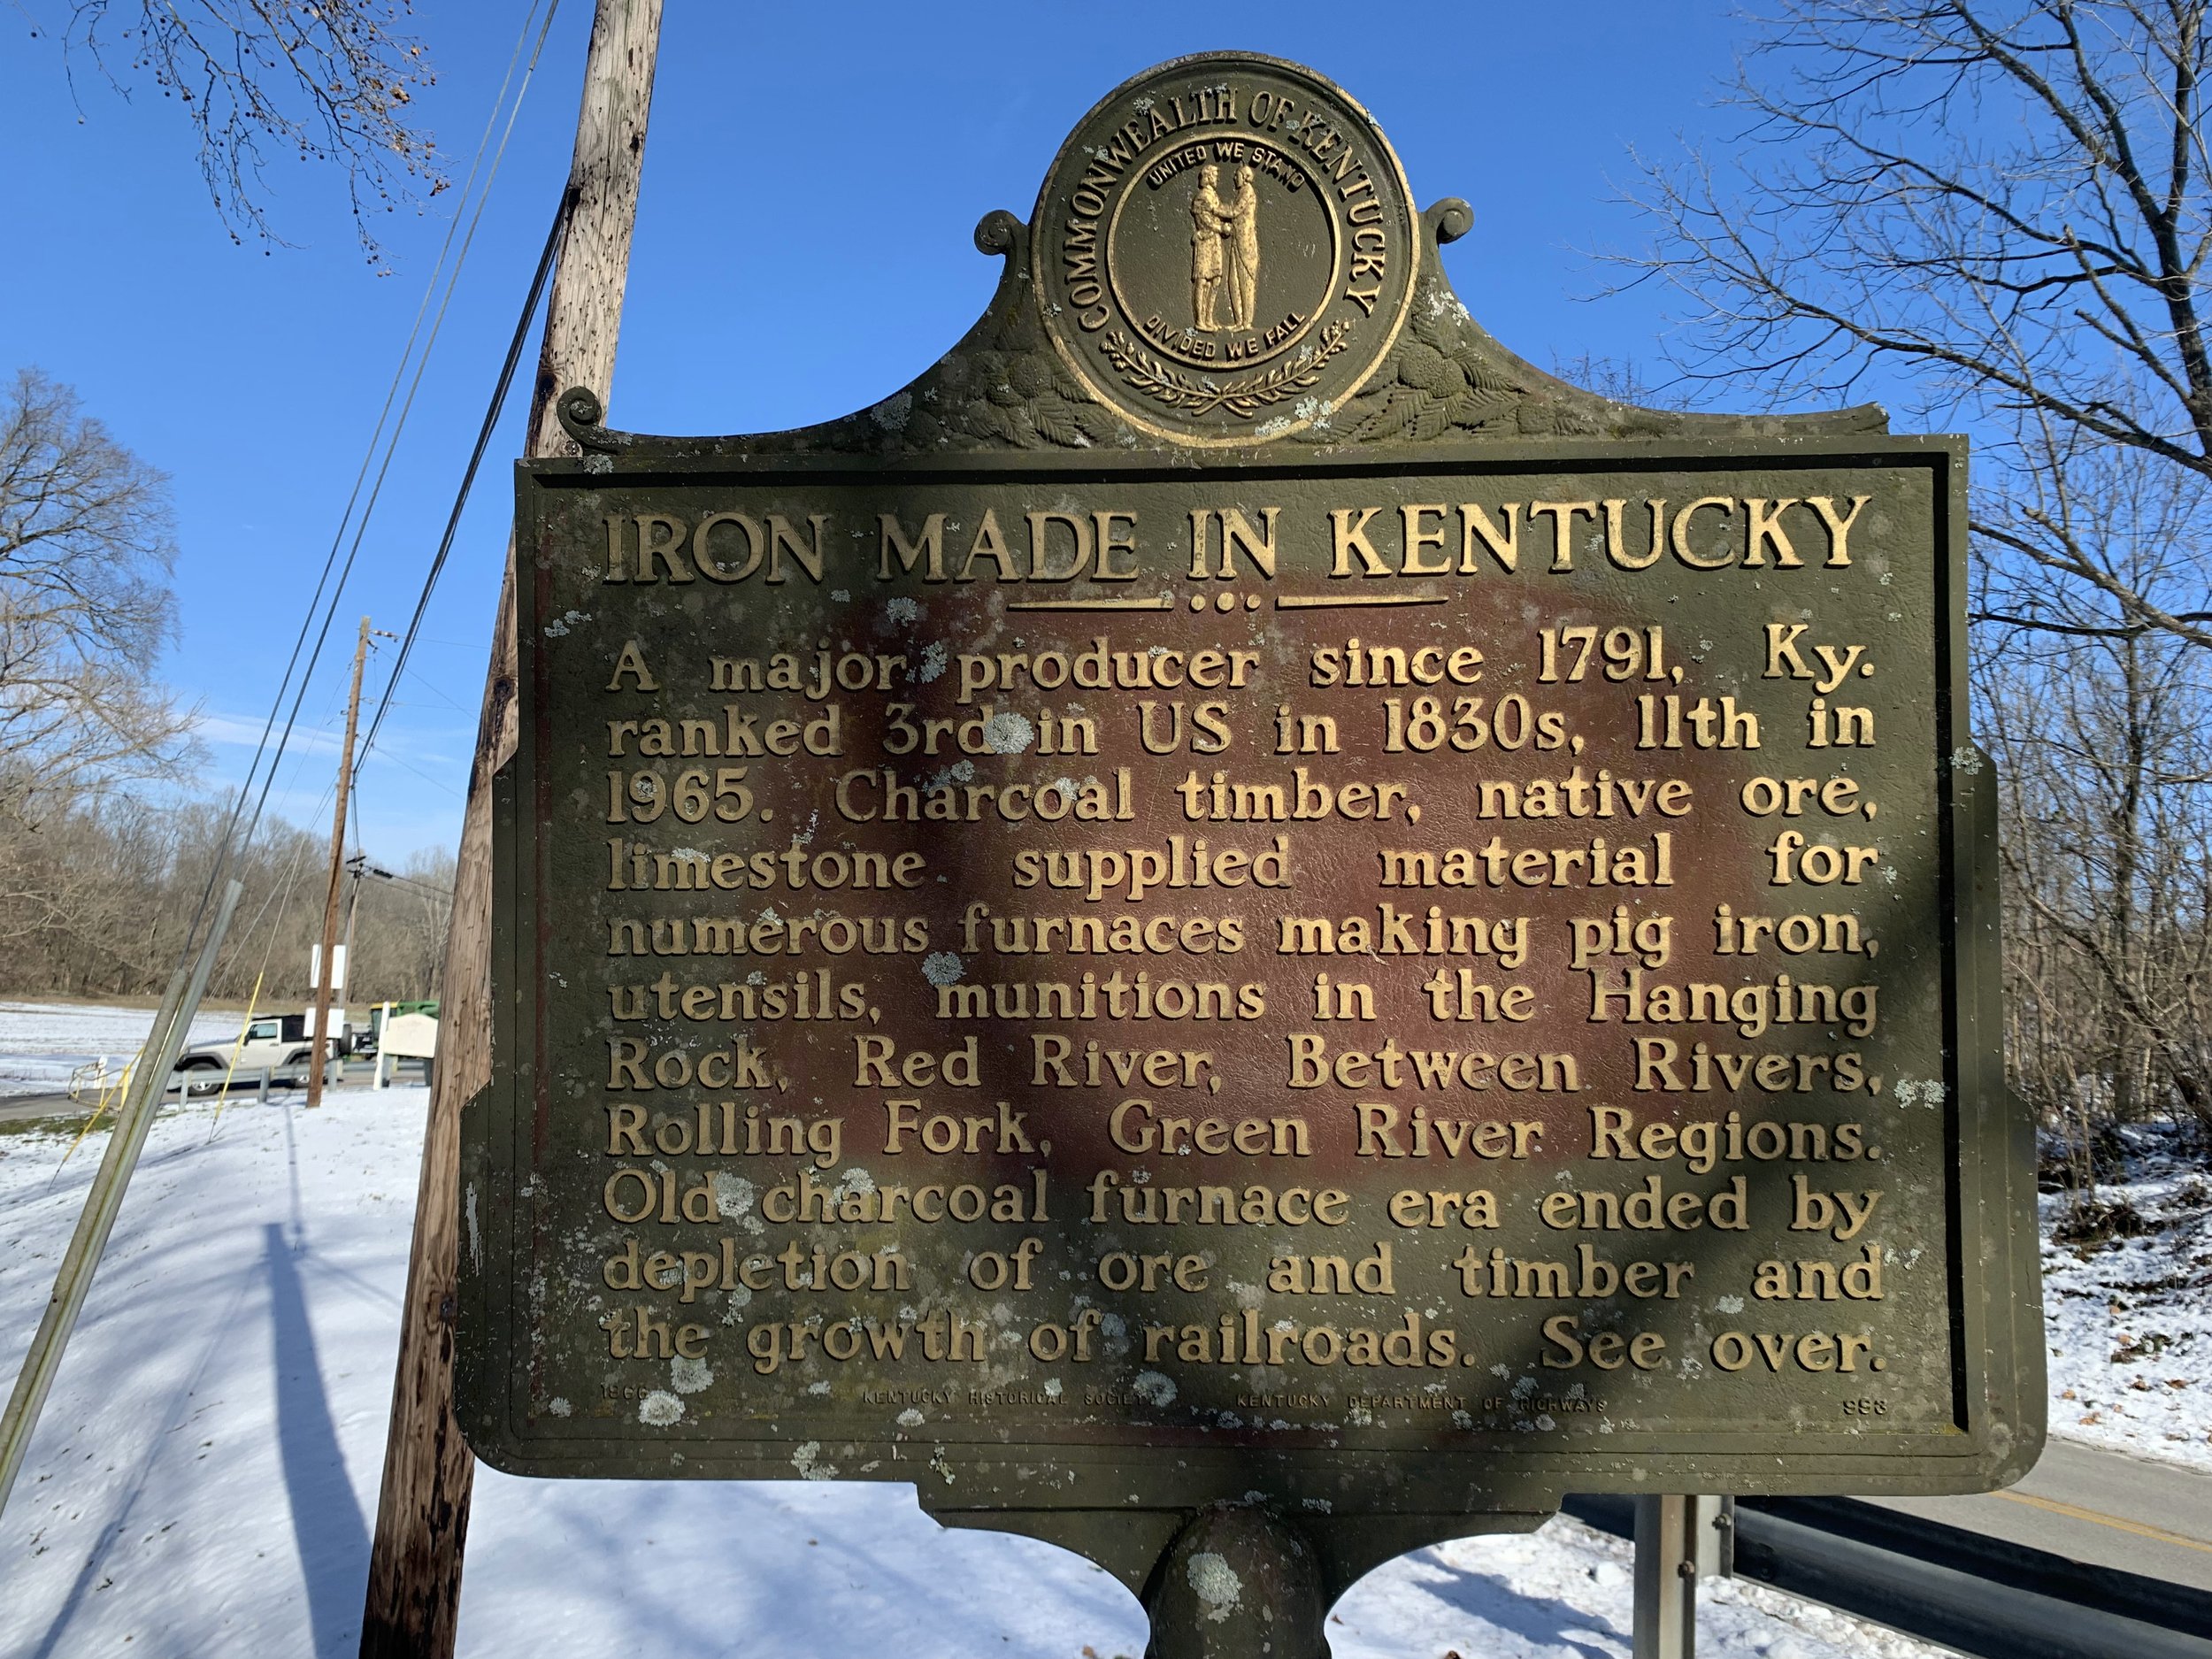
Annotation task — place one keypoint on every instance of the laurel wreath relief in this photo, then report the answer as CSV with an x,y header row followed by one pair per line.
x,y
1247,396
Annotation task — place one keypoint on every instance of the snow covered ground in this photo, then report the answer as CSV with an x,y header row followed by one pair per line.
x,y
205,1474
204,1478
42,1043
2130,1316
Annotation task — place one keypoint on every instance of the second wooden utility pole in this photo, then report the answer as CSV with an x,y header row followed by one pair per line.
x,y
414,1589
327,952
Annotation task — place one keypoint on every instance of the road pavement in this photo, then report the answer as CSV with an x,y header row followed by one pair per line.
x,y
357,1073
2101,1507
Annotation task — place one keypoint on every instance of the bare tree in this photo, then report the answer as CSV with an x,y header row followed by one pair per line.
x,y
96,901
410,914
2006,206
86,546
2107,860
2002,209
1619,378
331,82
100,873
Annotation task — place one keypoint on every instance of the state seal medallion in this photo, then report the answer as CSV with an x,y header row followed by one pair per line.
x,y
1224,248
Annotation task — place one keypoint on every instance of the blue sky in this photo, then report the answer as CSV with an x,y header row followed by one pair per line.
x,y
813,177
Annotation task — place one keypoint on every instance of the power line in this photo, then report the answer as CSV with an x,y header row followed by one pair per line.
x,y
547,259
360,524
362,870
422,364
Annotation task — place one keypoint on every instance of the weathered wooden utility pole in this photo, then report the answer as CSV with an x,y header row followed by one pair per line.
x,y
422,1512
325,957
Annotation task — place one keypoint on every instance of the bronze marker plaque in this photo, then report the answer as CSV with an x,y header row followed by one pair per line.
x,y
1406,949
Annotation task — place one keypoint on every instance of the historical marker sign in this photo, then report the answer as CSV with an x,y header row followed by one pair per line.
x,y
1238,892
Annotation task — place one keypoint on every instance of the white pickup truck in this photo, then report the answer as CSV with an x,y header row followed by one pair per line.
x,y
277,1042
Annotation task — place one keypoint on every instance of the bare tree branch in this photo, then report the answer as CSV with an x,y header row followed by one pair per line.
x,y
332,83
2004,207
86,546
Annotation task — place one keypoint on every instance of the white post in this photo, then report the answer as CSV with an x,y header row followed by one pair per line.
x,y
1665,1579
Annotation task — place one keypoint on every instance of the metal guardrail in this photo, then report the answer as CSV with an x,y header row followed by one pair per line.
x,y
1981,1595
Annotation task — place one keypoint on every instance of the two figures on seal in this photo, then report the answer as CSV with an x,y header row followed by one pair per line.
x,y
1225,251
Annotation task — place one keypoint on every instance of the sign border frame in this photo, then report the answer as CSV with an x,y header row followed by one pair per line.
x,y
1999,1408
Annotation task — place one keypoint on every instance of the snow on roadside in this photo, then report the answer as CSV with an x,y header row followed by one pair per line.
x,y
2128,1317
1565,1592
42,1043
205,1474
195,1484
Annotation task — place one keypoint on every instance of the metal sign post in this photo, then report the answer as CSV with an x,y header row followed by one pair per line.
x,y
1666,1578
1678,1542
